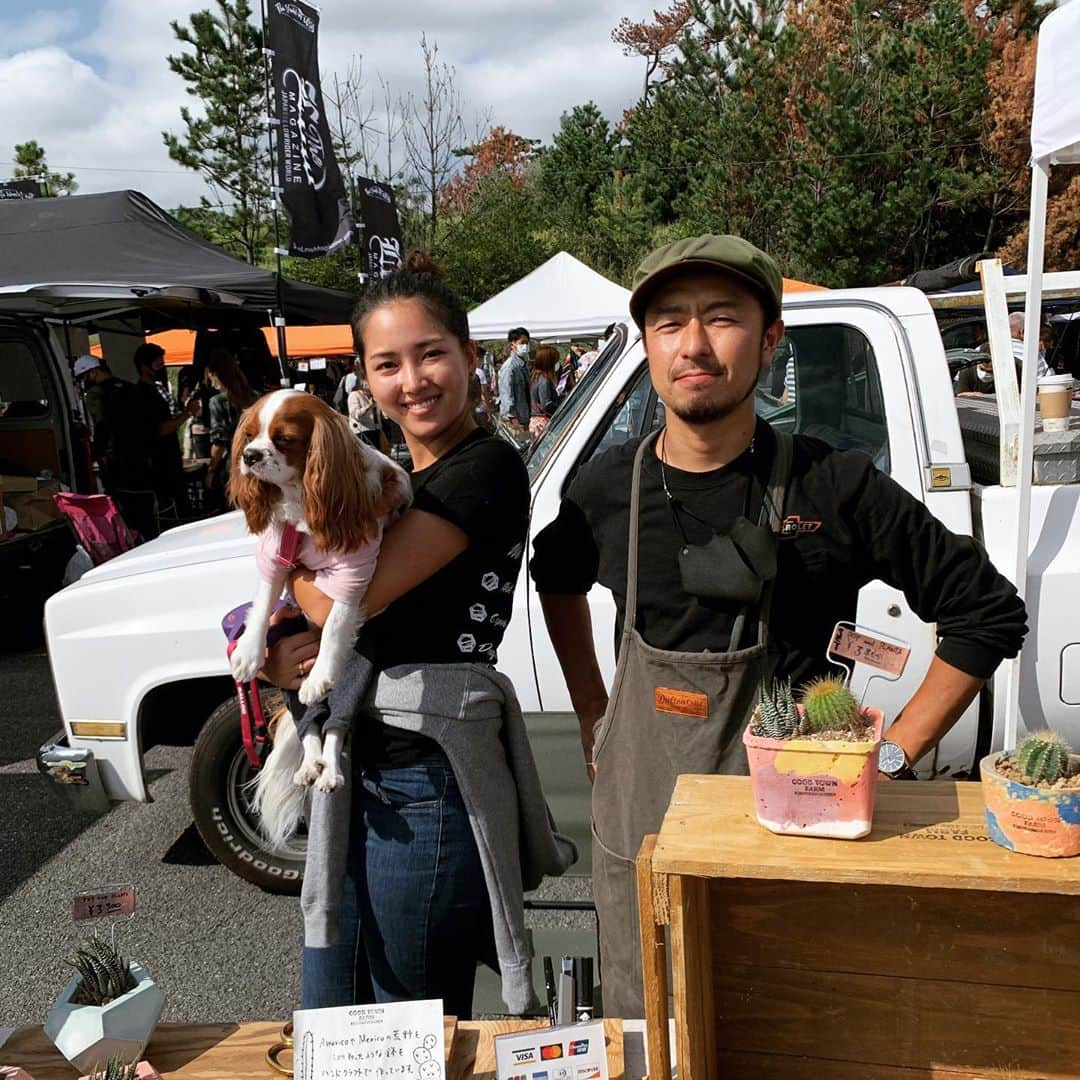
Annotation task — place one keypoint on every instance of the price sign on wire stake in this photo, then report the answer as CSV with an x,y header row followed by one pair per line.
x,y
108,902
851,645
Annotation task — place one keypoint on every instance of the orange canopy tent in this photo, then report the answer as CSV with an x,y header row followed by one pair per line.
x,y
792,285
302,341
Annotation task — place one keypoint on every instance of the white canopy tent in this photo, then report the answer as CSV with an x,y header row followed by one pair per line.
x,y
561,298
1055,140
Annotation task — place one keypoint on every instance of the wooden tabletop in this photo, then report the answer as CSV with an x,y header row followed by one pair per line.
x,y
237,1051
928,834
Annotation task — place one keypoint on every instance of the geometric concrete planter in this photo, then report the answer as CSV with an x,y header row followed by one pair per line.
x,y
88,1034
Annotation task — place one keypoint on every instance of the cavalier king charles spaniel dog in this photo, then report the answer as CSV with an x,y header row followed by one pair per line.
x,y
317,497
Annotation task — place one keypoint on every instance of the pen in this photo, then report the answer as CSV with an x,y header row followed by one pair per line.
x,y
549,987
584,979
566,992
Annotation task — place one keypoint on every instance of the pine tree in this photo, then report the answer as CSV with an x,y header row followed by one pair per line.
x,y
225,141
30,163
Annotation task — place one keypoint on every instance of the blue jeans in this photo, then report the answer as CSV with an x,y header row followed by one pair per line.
x,y
415,910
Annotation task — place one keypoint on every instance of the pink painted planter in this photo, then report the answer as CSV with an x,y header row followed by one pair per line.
x,y
805,787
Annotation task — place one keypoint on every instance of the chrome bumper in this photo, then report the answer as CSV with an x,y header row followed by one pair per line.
x,y
75,771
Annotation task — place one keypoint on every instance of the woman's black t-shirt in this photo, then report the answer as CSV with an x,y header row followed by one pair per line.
x,y
460,613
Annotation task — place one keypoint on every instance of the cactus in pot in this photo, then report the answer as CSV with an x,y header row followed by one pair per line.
x,y
109,1008
1032,797
813,766
1043,758
830,706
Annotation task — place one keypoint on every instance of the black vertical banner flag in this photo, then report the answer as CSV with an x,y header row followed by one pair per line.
x,y
382,233
21,189
312,188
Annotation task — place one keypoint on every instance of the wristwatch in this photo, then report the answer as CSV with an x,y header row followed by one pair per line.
x,y
892,761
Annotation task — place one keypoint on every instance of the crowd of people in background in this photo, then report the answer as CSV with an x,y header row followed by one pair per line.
x,y
162,447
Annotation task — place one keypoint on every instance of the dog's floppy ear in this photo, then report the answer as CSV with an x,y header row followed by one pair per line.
x,y
254,497
338,507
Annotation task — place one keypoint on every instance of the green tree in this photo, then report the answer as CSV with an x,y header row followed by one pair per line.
x,y
225,142
30,163
497,239
576,164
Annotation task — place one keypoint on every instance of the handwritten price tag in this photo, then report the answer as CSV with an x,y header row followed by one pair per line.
x,y
104,904
862,648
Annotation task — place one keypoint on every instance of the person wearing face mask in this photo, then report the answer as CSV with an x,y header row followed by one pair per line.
x,y
976,380
514,406
732,549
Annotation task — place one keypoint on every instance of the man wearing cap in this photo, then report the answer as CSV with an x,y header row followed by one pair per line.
x,y
732,550
97,383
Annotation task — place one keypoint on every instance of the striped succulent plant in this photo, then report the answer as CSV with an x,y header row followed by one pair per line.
x,y
776,716
103,973
114,1069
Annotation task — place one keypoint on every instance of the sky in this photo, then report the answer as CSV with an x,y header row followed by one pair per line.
x,y
88,79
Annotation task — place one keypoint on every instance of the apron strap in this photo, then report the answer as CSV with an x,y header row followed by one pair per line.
x,y
630,616
772,514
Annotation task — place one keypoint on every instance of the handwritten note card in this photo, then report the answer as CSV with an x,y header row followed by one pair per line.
x,y
399,1041
104,903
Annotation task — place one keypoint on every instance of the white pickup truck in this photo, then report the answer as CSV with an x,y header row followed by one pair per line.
x,y
137,650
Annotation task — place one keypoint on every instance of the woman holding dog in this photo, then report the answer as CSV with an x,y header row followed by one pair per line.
x,y
428,743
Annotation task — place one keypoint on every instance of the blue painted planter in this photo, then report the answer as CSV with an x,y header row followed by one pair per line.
x,y
1032,820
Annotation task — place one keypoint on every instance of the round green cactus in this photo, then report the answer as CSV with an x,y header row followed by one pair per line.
x,y
830,706
1043,757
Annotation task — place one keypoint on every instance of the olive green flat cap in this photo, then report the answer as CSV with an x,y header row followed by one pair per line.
x,y
729,254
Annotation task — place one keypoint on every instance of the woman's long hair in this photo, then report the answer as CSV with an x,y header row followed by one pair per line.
x,y
225,373
544,362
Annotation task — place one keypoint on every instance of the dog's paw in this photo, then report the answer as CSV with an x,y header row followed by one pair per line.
x,y
309,772
315,687
329,780
246,661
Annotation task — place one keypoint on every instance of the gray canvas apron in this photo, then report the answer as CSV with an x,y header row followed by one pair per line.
x,y
669,713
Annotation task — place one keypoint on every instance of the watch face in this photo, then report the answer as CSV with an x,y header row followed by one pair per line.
x,y
891,758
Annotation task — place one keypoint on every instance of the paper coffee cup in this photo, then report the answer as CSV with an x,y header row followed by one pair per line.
x,y
1055,401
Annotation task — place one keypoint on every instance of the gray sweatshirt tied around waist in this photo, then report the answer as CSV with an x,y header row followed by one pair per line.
x,y
473,714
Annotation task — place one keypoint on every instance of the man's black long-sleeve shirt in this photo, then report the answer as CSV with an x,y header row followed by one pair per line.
x,y
848,524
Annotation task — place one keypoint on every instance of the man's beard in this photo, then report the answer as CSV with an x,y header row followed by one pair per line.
x,y
705,411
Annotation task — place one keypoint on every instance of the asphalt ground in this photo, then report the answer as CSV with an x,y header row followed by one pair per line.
x,y
221,948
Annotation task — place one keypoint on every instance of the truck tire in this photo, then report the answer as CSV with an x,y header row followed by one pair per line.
x,y
221,804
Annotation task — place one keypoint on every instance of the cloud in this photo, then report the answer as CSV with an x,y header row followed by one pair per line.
x,y
36,29
98,104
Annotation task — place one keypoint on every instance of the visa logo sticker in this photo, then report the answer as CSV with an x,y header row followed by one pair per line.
x,y
524,1057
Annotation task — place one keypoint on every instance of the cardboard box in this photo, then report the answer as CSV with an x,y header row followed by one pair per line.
x,y
36,509
11,484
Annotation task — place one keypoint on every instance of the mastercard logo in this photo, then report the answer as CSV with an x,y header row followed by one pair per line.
x,y
551,1052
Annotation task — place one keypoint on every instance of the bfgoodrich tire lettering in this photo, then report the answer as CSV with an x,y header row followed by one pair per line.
x,y
221,804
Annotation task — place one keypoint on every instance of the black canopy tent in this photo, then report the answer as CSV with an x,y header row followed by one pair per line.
x,y
88,257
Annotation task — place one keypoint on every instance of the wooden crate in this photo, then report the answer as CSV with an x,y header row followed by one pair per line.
x,y
923,950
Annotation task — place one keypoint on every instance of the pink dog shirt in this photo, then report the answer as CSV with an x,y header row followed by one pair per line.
x,y
340,575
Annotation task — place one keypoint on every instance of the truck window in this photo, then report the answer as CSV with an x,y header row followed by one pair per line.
x,y
823,381
23,393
